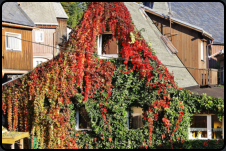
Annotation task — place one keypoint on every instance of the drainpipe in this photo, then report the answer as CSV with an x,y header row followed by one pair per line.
x,y
54,38
208,52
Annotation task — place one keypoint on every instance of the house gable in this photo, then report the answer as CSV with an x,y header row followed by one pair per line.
x,y
12,13
76,77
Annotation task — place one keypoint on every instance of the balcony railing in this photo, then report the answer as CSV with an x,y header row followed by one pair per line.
x,y
207,77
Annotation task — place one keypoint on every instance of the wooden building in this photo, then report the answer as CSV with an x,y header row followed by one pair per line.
x,y
17,52
185,28
220,58
51,18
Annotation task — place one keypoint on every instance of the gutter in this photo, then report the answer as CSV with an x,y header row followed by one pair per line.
x,y
18,25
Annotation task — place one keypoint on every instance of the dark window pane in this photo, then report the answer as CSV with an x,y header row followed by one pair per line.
x,y
84,120
216,128
109,45
199,126
136,117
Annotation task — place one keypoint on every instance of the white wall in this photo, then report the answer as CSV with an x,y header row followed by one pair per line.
x,y
35,63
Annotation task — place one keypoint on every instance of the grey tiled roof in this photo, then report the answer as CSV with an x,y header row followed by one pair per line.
x,y
59,10
12,13
40,12
207,15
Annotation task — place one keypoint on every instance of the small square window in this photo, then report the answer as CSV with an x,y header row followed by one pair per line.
x,y
107,46
83,119
13,41
39,36
135,118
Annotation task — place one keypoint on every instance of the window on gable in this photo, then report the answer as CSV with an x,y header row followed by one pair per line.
x,y
107,46
135,118
39,36
13,41
83,120
206,127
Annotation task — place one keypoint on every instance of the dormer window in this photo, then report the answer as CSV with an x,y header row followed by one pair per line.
x,y
107,46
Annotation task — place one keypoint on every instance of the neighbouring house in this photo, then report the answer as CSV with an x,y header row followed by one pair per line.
x,y
17,54
220,58
187,43
162,47
194,28
51,19
119,115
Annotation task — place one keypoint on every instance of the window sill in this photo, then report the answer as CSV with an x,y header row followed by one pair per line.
x,y
13,49
202,139
83,129
109,56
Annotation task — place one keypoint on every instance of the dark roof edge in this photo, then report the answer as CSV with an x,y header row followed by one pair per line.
x,y
218,43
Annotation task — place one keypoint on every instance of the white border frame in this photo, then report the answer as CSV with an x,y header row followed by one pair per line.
x,y
209,128
38,32
19,36
99,49
77,122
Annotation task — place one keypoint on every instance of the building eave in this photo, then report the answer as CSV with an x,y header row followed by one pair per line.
x,y
18,25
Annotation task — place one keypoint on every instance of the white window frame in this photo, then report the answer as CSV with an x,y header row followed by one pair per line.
x,y
202,50
37,36
77,123
209,128
99,48
16,35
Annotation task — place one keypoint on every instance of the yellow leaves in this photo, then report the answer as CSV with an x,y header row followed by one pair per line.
x,y
132,38
149,44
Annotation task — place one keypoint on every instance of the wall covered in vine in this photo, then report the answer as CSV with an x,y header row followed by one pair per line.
x,y
44,101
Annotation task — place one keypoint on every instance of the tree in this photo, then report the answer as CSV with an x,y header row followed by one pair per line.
x,y
74,11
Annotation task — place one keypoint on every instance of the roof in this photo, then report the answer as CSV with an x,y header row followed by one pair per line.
x,y
59,11
220,52
12,13
40,12
151,34
176,20
206,15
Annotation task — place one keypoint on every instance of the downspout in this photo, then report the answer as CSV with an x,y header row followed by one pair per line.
x,y
208,53
209,60
57,29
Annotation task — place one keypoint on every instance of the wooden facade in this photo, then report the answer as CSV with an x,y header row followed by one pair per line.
x,y
17,60
188,43
44,49
54,36
61,32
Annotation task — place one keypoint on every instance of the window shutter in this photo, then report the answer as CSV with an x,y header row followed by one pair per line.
x,y
202,51
100,45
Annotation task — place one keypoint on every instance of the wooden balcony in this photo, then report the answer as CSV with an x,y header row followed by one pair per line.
x,y
207,77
